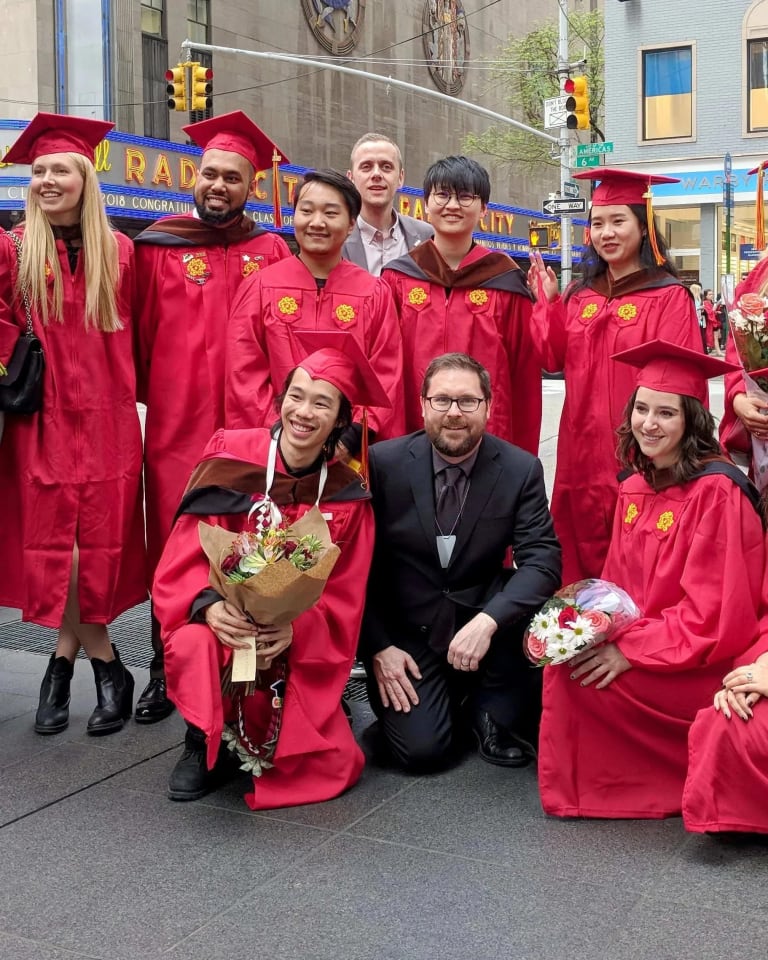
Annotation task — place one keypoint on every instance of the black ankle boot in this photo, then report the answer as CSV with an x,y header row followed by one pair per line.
x,y
53,710
114,696
190,778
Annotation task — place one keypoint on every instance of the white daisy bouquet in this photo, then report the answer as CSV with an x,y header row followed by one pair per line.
x,y
576,618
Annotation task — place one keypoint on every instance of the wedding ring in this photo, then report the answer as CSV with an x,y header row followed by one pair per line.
x,y
749,676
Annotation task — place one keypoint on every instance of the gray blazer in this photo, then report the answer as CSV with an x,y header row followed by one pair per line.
x,y
414,231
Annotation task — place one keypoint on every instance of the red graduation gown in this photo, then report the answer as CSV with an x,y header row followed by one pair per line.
x,y
263,350
727,784
317,757
692,557
579,336
72,472
489,323
184,293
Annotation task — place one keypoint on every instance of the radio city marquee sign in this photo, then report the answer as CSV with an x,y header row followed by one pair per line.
x,y
142,178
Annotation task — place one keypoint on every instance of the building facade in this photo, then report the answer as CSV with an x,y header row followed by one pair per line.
x,y
687,95
107,59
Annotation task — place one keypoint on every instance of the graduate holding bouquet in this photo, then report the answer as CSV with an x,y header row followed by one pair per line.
x,y
688,546
290,732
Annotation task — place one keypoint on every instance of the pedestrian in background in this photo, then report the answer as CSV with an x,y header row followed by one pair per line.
x,y
628,293
70,474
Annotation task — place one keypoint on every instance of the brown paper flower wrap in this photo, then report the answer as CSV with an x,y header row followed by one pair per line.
x,y
278,593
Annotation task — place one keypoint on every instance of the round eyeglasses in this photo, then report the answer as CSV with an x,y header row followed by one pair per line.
x,y
465,404
464,199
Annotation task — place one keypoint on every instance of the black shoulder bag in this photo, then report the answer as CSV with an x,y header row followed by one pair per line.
x,y
21,389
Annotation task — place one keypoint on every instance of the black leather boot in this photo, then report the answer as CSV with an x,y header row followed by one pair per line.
x,y
53,710
114,696
190,778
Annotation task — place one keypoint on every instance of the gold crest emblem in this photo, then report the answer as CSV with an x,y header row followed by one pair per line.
x,y
665,521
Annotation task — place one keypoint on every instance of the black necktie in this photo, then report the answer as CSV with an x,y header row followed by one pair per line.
x,y
448,505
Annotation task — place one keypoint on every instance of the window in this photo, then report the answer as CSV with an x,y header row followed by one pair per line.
x,y
152,17
667,93
757,104
198,18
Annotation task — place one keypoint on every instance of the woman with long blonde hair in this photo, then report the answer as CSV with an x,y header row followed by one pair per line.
x,y
70,474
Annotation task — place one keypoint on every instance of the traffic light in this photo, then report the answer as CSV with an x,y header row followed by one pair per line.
x,y
177,87
577,104
202,87
538,236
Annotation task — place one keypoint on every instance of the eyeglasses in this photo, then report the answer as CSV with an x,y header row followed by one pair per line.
x,y
442,197
465,404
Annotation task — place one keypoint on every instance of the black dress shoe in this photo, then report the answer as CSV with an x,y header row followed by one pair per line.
x,y
153,704
498,746
53,710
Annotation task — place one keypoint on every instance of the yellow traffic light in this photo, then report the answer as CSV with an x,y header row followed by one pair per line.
x,y
177,87
202,87
538,236
577,104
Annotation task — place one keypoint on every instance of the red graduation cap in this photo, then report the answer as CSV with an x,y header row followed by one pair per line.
x,y
339,359
670,368
50,133
627,188
237,133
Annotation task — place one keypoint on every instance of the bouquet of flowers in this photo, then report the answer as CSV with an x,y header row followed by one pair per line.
x,y
272,575
252,552
748,322
576,618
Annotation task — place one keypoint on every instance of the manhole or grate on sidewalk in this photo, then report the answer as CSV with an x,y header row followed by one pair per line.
x,y
130,633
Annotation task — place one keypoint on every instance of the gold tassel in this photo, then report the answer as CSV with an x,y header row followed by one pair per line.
x,y
278,216
760,211
657,254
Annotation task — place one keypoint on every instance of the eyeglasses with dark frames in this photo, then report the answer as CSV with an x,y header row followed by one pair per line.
x,y
465,404
464,199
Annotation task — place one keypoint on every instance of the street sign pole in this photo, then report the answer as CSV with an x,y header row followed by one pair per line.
x,y
727,170
565,171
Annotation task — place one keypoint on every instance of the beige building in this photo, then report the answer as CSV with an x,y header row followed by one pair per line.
x,y
107,59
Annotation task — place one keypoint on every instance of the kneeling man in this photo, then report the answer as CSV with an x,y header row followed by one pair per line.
x,y
444,616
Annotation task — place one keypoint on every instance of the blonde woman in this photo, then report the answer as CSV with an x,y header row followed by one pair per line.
x,y
70,475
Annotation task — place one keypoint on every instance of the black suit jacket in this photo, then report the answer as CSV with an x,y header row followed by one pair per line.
x,y
506,506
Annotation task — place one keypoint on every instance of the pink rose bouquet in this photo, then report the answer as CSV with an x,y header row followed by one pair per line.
x,y
578,617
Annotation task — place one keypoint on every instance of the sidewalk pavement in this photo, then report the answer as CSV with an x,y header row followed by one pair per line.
x,y
97,863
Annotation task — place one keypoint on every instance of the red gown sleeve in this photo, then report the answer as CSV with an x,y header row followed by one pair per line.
x,y
9,328
720,574
385,354
548,325
249,391
148,264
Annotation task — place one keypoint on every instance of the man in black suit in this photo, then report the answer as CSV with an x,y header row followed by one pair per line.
x,y
444,617
380,234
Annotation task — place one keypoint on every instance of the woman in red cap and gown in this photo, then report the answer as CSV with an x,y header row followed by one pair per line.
x,y
628,293
291,732
688,545
70,474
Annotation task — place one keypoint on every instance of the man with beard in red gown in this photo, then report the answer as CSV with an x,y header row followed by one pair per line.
x,y
188,269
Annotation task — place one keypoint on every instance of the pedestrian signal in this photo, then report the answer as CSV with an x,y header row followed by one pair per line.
x,y
202,87
177,87
577,103
538,237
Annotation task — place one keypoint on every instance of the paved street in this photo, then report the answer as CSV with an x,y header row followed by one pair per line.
x,y
97,863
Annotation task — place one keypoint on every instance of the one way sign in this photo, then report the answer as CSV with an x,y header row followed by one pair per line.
x,y
564,206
